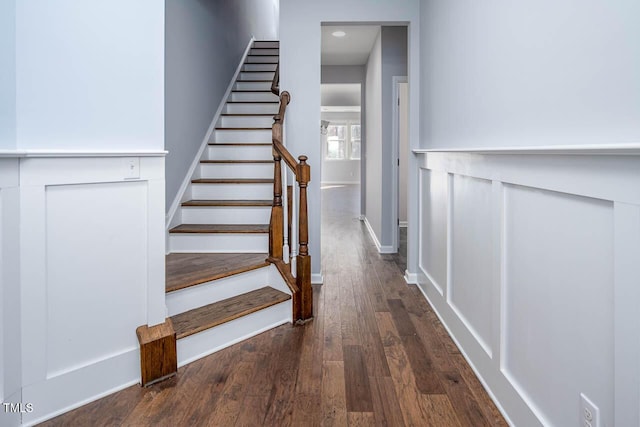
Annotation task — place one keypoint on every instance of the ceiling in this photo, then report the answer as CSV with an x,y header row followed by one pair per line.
x,y
352,49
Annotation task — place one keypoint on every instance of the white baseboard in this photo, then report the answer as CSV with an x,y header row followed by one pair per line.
x,y
387,249
175,205
340,183
317,279
410,278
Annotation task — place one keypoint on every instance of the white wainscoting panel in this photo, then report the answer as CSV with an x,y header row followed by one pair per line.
x,y
471,265
91,271
542,295
559,300
433,231
87,224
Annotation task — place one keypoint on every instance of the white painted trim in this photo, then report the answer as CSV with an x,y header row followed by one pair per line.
x,y
590,149
403,224
317,279
381,249
175,205
82,153
410,278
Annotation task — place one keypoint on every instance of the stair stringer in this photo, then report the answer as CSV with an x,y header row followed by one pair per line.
x,y
173,217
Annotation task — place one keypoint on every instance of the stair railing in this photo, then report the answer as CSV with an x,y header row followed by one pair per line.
x,y
299,277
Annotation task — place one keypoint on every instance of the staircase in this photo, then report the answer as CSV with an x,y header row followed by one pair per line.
x,y
220,287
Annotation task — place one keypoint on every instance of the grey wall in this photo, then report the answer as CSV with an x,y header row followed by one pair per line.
x,y
8,74
497,73
205,40
373,160
394,63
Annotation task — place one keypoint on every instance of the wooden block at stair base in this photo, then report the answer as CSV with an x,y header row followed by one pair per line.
x,y
158,356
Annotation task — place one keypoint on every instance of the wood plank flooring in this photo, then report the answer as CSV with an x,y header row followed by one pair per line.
x,y
375,354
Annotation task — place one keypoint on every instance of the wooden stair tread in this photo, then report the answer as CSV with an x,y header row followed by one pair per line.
x,y
254,81
245,128
240,143
253,102
221,228
228,203
248,114
189,269
235,161
232,181
220,312
252,90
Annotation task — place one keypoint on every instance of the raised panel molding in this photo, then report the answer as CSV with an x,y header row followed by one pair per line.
x,y
540,290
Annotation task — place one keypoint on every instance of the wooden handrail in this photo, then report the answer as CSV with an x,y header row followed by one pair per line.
x,y
275,84
301,289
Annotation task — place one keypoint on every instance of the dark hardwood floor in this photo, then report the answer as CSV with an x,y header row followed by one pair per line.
x,y
375,354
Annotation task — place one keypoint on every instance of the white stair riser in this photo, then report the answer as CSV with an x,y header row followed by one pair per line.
x,y
262,51
253,96
219,242
216,290
211,340
242,135
260,67
261,75
262,43
248,108
236,170
245,121
262,59
252,85
232,191
239,152
226,215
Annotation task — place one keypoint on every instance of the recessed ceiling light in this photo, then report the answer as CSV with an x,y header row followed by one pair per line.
x,y
338,33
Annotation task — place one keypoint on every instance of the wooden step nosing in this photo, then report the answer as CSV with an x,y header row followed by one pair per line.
x,y
253,102
218,276
227,203
248,114
232,181
237,315
242,129
249,144
246,162
239,230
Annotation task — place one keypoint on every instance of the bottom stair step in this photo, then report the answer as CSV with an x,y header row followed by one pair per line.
x,y
209,316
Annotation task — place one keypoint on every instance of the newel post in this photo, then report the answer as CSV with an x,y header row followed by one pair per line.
x,y
303,262
276,223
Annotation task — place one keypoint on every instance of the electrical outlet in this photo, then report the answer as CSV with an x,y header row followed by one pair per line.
x,y
131,167
589,412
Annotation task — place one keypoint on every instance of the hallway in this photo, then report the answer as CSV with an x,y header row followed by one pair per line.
x,y
375,354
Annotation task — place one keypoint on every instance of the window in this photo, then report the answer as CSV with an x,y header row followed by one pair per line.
x,y
343,141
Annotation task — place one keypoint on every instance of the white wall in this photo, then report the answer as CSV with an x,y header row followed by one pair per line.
x,y
90,75
527,260
339,171
503,74
403,137
205,41
8,74
300,75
